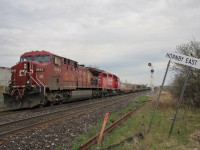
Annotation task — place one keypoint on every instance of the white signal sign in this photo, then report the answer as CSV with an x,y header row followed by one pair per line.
x,y
183,59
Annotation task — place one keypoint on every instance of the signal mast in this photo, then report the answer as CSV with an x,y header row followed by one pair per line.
x,y
151,77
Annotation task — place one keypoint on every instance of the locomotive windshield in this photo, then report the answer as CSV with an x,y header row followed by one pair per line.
x,y
26,58
40,58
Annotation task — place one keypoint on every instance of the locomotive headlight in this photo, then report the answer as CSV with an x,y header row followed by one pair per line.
x,y
28,81
41,76
25,66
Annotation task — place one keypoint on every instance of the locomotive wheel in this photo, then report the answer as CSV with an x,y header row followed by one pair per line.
x,y
58,99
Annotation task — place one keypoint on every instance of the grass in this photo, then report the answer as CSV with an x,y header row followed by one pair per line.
x,y
113,117
184,136
187,124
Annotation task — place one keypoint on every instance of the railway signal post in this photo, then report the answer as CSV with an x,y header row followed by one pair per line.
x,y
158,98
151,77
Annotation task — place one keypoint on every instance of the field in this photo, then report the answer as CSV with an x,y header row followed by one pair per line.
x,y
185,135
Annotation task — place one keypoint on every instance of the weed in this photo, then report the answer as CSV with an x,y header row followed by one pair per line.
x,y
184,136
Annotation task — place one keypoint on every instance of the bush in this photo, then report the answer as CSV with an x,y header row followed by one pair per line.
x,y
192,92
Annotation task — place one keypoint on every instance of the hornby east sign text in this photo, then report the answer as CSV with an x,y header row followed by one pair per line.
x,y
183,59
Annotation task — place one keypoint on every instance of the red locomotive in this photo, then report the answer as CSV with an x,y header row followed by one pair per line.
x,y
42,78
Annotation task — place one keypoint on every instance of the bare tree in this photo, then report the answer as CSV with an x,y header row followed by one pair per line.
x,y
192,93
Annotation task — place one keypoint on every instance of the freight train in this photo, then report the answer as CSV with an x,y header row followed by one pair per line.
x,y
41,78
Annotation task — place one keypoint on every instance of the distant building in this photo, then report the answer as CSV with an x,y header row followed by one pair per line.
x,y
5,75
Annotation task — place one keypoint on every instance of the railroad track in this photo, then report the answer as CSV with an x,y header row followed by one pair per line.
x,y
94,139
14,114
27,124
32,110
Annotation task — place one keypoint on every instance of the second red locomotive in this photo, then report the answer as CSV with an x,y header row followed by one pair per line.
x,y
42,78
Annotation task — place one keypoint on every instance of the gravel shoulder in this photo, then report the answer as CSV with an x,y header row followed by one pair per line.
x,y
60,135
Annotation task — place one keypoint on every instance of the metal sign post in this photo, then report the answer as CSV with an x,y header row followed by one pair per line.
x,y
181,59
158,99
180,100
188,61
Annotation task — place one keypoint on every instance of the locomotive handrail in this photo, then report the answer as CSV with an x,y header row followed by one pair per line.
x,y
41,84
35,81
40,81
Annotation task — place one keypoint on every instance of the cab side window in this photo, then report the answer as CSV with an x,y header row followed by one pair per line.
x,y
57,61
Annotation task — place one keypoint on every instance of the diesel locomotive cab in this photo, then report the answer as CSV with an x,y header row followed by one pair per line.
x,y
27,86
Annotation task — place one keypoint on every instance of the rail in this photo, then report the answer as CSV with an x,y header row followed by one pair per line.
x,y
23,124
109,128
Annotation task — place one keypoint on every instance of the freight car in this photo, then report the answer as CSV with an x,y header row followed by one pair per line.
x,y
130,88
42,78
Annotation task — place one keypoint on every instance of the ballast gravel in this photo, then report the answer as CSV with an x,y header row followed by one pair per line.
x,y
60,135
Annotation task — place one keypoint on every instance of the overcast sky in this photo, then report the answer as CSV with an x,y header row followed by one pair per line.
x,y
119,36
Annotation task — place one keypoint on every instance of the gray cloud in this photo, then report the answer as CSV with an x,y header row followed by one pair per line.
x,y
120,36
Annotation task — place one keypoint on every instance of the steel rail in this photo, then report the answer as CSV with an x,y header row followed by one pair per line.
x,y
61,110
57,118
17,111
94,139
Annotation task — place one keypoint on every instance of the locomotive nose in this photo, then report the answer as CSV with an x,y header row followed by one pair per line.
x,y
22,74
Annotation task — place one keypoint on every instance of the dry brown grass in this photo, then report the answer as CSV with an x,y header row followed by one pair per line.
x,y
2,89
167,101
184,136
196,135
